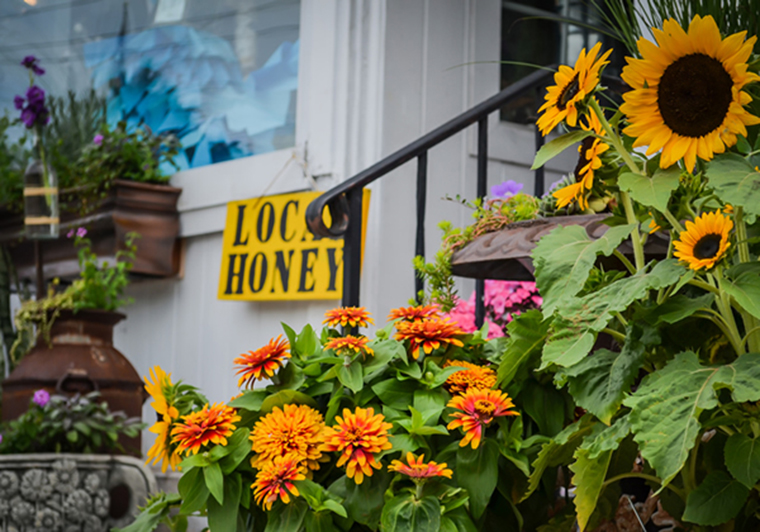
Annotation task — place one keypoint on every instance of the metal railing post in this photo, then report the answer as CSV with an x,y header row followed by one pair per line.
x,y
419,244
352,249
480,309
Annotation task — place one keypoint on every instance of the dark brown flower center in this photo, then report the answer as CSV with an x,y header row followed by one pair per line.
x,y
694,95
567,94
707,247
586,145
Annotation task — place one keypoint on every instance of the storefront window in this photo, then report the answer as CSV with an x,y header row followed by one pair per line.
x,y
221,75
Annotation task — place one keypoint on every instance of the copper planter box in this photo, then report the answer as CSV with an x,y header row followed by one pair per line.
x,y
150,210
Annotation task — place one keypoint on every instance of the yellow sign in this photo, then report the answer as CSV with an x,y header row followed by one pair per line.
x,y
268,253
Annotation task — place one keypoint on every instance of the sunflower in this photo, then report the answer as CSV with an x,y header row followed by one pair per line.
x,y
352,316
477,408
704,241
275,481
349,343
590,150
687,98
428,334
414,313
417,470
473,377
358,436
209,425
159,390
294,430
262,363
572,87
161,450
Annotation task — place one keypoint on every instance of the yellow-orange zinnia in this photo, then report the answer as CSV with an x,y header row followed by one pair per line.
x,y
473,377
477,408
429,334
414,313
209,425
295,431
358,436
275,480
352,316
417,470
357,344
262,363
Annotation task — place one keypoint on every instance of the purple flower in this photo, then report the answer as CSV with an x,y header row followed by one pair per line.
x,y
35,111
18,102
41,398
506,190
81,232
30,62
28,117
35,95
70,234
97,139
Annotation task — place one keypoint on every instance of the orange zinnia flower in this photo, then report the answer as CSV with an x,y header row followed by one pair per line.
x,y
212,424
414,313
477,410
473,377
353,316
275,480
358,436
294,431
355,343
428,334
418,471
262,363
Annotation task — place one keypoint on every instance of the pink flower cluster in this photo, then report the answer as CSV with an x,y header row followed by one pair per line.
x,y
503,300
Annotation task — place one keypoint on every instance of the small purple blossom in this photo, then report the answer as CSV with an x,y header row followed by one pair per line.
x,y
70,234
33,110
41,398
81,232
18,102
506,190
97,139
30,62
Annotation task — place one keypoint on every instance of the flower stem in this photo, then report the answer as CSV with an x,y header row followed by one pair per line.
x,y
741,234
650,478
672,220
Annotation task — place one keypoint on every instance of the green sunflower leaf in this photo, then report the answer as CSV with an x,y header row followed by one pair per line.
x,y
564,257
588,478
716,500
744,286
652,191
736,182
666,407
527,334
742,455
551,149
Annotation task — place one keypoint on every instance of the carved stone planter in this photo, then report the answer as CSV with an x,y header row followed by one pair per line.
x,y
71,492
150,210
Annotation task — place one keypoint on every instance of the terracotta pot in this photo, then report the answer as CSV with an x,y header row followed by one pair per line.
x,y
81,358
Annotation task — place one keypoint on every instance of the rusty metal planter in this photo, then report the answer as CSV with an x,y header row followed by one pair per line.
x,y
148,209
81,358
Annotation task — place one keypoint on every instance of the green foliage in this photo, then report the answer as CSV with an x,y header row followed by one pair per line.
x,y
79,424
717,499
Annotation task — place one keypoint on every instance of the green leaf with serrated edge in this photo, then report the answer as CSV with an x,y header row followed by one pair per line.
x,y
212,474
558,451
285,517
351,376
599,382
404,513
250,400
679,307
652,191
715,501
564,257
604,439
224,516
666,407
394,393
736,182
193,490
477,471
588,479
745,289
286,397
573,332
742,455
551,149
527,334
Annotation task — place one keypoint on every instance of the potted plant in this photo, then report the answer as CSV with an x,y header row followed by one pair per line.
x,y
51,480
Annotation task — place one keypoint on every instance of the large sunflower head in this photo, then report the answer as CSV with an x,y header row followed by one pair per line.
x,y
705,240
572,87
687,98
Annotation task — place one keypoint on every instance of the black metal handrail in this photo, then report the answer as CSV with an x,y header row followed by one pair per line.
x,y
344,201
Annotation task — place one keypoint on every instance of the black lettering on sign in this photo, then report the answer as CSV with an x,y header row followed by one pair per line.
x,y
284,221
262,272
284,269
239,228
269,223
307,268
334,265
231,273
